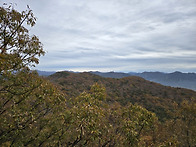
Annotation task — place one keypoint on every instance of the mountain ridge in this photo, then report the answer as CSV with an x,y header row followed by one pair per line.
x,y
153,96
174,79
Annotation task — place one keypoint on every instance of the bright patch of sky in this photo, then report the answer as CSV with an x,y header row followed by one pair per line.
x,y
115,35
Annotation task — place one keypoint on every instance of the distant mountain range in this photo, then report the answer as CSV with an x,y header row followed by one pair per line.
x,y
175,79
45,73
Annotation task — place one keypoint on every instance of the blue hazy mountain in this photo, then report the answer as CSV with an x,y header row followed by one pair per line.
x,y
111,74
45,73
175,79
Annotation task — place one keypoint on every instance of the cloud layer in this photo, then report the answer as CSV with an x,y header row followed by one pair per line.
x,y
117,35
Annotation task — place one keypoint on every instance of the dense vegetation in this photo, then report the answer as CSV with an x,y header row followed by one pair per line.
x,y
155,97
82,110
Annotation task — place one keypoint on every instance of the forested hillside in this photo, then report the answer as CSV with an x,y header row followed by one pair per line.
x,y
69,109
154,97
175,79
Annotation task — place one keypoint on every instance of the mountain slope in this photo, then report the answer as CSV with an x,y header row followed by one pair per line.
x,y
45,73
175,79
155,97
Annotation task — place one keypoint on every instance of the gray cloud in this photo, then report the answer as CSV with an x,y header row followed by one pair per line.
x,y
119,35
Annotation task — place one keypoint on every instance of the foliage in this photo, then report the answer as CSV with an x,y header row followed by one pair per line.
x,y
152,96
18,48
93,122
29,105
29,110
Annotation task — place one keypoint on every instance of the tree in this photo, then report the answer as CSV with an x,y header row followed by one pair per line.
x,y
18,49
183,125
132,125
87,121
30,106
188,116
181,129
30,112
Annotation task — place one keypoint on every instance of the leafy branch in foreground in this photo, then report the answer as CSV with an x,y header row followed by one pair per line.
x,y
17,48
29,105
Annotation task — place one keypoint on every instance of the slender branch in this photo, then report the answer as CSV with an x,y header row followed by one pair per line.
x,y
34,138
104,145
140,130
13,33
50,135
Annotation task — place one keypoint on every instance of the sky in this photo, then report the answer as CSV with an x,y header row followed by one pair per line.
x,y
115,35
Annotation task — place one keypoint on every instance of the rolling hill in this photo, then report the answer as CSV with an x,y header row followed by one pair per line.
x,y
175,79
153,96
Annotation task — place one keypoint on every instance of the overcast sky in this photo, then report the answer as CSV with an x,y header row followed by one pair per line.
x,y
115,35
